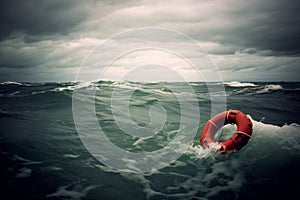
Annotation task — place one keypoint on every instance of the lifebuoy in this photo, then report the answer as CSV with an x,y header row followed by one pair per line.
x,y
239,139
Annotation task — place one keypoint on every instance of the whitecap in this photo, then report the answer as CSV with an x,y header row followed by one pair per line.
x,y
10,83
239,84
74,86
269,88
126,85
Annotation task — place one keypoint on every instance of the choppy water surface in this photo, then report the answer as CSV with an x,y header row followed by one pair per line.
x,y
42,156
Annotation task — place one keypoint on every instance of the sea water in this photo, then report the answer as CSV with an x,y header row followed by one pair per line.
x,y
43,157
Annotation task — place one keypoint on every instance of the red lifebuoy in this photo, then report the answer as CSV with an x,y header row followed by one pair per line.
x,y
240,137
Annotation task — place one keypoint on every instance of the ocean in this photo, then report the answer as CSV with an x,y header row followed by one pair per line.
x,y
44,155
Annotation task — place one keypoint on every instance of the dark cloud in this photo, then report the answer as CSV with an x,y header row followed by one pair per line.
x,y
263,25
34,17
268,25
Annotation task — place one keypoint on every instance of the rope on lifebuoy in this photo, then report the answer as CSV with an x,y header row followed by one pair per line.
x,y
214,124
228,112
241,132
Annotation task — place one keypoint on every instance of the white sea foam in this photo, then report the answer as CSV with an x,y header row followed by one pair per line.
x,y
68,192
194,84
197,152
79,85
24,172
53,168
239,84
71,155
141,140
10,83
126,85
269,88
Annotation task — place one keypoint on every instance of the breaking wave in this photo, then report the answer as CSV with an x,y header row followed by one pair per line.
x,y
239,84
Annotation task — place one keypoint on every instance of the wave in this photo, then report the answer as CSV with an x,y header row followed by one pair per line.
x,y
239,84
127,85
10,83
87,84
263,89
72,191
269,88
25,161
12,89
73,86
198,174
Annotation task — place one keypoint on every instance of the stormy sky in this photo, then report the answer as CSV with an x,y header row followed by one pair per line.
x,y
257,40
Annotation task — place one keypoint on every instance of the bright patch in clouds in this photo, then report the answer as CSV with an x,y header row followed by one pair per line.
x,y
151,65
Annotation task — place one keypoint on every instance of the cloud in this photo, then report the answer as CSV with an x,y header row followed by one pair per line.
x,y
47,37
265,25
41,17
258,68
